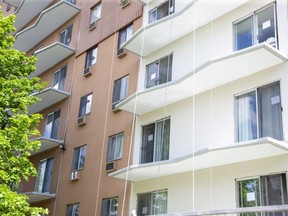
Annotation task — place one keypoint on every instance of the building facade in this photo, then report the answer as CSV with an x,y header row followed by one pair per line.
x,y
181,110
83,136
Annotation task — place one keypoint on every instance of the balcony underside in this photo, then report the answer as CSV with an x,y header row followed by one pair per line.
x,y
49,97
50,56
24,14
14,3
206,158
213,74
35,197
151,37
47,143
47,22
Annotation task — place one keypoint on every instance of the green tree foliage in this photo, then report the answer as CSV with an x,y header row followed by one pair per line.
x,y
16,126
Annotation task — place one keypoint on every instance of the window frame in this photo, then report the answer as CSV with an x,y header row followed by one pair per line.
x,y
116,155
143,148
258,125
169,71
151,194
85,97
110,205
125,30
73,208
118,94
171,4
51,135
93,20
61,78
77,152
66,32
260,191
91,53
44,179
254,30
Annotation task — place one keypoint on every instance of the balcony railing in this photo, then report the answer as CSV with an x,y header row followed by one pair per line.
x,y
261,210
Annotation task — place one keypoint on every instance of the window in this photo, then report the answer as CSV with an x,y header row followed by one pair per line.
x,y
72,210
65,36
257,28
52,125
109,207
152,203
115,145
91,57
95,14
159,72
156,141
124,35
79,158
259,113
44,175
120,91
161,11
263,191
85,105
59,78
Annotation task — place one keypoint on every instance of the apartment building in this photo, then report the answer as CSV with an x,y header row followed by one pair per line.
x,y
201,127
83,135
211,108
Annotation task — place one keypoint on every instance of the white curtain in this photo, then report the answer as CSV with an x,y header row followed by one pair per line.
x,y
246,117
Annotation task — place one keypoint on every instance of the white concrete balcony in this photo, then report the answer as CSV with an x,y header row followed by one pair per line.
x,y
24,14
206,158
214,73
47,22
34,197
47,143
49,97
50,56
158,34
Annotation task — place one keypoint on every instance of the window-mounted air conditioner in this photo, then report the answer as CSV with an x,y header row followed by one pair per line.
x,y
87,72
124,3
111,166
121,52
74,175
92,25
81,121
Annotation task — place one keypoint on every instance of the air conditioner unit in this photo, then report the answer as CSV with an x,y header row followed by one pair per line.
x,y
124,3
87,72
111,166
92,25
121,53
74,176
81,121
